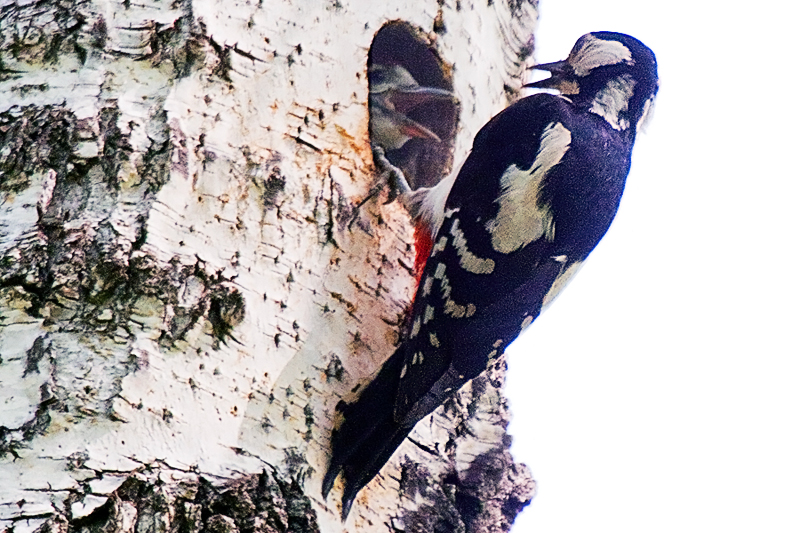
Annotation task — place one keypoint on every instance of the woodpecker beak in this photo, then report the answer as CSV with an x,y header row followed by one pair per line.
x,y
558,70
561,78
555,66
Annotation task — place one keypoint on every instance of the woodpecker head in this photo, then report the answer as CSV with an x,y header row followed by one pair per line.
x,y
393,92
610,74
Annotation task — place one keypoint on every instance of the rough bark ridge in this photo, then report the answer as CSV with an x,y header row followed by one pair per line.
x,y
182,303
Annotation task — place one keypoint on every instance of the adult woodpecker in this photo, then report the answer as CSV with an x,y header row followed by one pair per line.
x,y
393,93
535,196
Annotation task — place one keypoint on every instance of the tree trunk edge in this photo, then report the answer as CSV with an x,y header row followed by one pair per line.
x,y
84,174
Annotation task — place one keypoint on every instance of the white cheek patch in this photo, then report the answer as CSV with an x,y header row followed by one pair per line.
x,y
561,281
469,261
591,52
522,217
613,100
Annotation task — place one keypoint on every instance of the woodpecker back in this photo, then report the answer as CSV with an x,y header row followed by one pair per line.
x,y
537,193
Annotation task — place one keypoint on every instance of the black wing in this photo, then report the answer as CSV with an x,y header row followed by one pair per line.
x,y
476,296
493,266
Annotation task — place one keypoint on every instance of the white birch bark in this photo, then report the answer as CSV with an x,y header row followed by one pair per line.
x,y
182,303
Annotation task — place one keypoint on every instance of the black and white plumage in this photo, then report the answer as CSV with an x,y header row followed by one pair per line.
x,y
535,196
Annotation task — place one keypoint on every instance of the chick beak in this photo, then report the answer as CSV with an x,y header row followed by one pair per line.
x,y
404,101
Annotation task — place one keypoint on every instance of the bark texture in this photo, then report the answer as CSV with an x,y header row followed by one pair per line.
x,y
183,299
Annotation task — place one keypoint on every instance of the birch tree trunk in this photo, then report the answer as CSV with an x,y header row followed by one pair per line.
x,y
183,300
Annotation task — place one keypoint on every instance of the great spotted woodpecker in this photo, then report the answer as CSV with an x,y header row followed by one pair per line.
x,y
535,196
393,92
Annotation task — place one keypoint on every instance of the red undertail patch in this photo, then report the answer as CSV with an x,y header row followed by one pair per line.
x,y
423,244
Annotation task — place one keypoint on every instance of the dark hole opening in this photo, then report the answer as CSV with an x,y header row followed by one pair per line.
x,y
423,159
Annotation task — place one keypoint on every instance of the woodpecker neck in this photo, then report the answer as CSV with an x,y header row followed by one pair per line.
x,y
613,101
386,125
427,208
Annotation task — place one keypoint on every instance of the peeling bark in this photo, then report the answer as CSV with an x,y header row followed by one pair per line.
x,y
183,297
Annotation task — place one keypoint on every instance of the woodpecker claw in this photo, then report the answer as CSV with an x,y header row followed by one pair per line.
x,y
389,176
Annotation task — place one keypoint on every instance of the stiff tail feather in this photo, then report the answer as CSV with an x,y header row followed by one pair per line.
x,y
359,445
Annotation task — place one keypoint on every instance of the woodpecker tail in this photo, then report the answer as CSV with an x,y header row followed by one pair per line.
x,y
368,434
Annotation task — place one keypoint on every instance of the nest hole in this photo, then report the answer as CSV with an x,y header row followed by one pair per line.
x,y
424,160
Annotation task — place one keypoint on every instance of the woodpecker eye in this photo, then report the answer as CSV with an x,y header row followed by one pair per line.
x,y
413,110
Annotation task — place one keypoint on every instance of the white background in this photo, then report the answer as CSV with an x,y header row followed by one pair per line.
x,y
661,392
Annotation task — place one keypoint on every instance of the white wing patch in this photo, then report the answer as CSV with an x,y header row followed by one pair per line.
x,y
458,311
469,261
428,314
591,52
415,327
434,340
439,272
613,100
522,216
560,282
427,285
440,245
450,307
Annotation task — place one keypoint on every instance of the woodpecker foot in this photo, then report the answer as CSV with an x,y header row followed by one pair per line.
x,y
389,177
